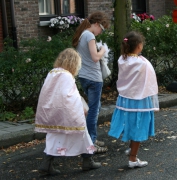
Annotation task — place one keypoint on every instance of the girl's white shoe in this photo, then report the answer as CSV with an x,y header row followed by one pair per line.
x,y
137,163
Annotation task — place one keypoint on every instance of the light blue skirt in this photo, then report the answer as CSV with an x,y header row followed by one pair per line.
x,y
136,126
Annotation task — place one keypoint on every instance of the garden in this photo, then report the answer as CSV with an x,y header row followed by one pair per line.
x,y
23,71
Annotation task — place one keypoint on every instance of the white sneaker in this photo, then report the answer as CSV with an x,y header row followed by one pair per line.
x,y
127,152
137,163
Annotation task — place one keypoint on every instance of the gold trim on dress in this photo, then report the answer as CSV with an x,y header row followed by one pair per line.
x,y
134,55
56,71
60,71
60,127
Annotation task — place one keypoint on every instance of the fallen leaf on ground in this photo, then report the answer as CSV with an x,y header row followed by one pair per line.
x,y
104,164
107,123
120,169
23,145
11,171
114,141
34,170
39,158
172,137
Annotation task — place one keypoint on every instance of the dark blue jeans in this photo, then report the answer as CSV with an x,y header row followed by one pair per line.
x,y
93,91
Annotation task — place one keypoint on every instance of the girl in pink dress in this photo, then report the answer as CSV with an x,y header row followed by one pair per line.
x,y
60,114
137,100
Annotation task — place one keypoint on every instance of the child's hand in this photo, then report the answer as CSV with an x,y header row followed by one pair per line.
x,y
85,106
85,112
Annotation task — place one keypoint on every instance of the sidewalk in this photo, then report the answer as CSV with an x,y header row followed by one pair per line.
x,y
14,133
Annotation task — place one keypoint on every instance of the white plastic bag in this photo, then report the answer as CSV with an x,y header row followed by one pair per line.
x,y
104,60
104,69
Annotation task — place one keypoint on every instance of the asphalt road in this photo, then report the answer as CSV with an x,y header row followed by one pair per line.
x,y
160,151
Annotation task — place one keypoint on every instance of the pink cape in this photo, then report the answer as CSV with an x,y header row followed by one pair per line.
x,y
136,78
60,108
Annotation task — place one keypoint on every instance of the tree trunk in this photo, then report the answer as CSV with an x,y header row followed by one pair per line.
x,y
122,14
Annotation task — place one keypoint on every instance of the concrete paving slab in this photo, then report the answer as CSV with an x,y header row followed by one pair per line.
x,y
3,132
167,100
6,125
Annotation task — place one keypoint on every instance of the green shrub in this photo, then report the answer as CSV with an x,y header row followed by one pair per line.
x,y
160,47
107,37
27,113
23,71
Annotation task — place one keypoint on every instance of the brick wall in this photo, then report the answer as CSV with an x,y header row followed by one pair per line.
x,y
99,5
27,18
157,8
169,6
1,31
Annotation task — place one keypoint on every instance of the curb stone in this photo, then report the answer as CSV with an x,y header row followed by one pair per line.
x,y
14,133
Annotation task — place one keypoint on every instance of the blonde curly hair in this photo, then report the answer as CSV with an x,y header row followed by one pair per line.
x,y
69,60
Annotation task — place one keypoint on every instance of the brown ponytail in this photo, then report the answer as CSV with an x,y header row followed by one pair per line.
x,y
83,26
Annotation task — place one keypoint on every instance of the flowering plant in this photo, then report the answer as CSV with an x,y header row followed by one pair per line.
x,y
75,20
142,17
136,18
64,22
59,22
145,16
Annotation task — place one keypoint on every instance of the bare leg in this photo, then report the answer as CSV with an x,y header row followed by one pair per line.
x,y
134,150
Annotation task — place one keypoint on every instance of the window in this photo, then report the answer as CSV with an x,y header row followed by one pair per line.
x,y
53,8
139,6
46,7
68,6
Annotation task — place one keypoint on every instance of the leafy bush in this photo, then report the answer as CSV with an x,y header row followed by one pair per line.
x,y
160,47
107,37
27,113
23,71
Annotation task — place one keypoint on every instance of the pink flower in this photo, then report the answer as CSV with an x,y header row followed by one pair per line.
x,y
61,151
91,149
145,16
152,17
